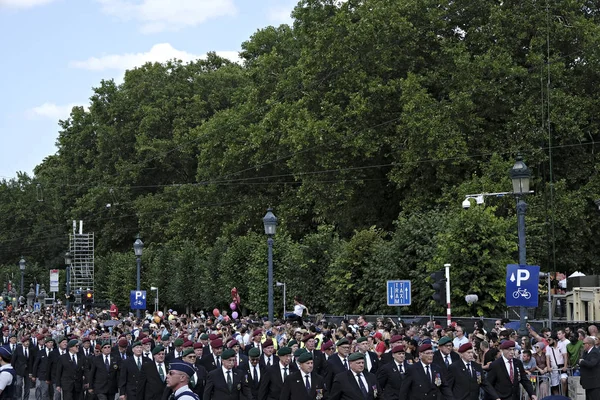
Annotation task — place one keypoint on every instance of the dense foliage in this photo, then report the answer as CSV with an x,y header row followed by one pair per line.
x,y
364,125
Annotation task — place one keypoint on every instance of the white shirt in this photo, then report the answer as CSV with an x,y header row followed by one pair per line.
x,y
457,342
299,309
304,374
184,389
5,379
507,364
267,359
368,363
252,370
282,369
362,378
159,367
225,373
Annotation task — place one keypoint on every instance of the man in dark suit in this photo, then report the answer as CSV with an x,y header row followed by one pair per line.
x,y
175,354
390,375
255,344
122,349
371,359
154,376
212,360
130,376
268,357
40,369
22,362
395,340
425,380
506,373
355,384
304,384
226,383
589,365
445,356
52,375
254,372
241,360
338,362
319,361
70,370
272,380
198,379
466,378
103,374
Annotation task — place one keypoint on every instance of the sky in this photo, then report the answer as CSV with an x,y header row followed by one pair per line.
x,y
54,52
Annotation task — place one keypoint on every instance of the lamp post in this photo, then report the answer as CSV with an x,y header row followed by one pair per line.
x,y
68,261
156,298
138,247
279,284
22,268
270,223
520,175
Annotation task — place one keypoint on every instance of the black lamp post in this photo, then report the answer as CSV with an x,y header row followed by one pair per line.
x,y
138,247
68,261
22,268
270,223
521,175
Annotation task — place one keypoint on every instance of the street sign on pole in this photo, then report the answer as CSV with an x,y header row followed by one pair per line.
x,y
398,293
522,285
137,299
53,280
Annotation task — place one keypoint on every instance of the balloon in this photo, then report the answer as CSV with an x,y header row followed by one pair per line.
x,y
156,319
216,312
160,314
232,306
234,314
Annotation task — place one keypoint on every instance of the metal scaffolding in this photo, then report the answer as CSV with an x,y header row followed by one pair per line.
x,y
82,268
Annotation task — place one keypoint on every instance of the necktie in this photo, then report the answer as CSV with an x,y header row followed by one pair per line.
x,y
307,383
106,363
362,385
255,376
447,361
284,373
73,358
26,353
345,363
229,381
218,361
400,368
428,374
161,372
469,369
268,361
512,376
13,347
139,362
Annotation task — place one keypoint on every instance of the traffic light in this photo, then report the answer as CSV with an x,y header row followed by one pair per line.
x,y
439,287
89,296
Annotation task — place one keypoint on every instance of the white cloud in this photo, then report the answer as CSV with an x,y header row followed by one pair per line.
x,y
23,3
160,15
161,52
51,110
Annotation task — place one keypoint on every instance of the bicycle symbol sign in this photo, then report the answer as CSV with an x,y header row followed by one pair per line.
x,y
522,285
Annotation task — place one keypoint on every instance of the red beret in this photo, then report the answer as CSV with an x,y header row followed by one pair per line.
x,y
5,329
123,342
507,344
398,348
216,343
198,345
146,340
257,332
424,347
308,336
85,339
267,343
40,337
212,337
98,347
188,343
378,335
395,338
24,339
141,336
465,347
327,345
232,343
45,330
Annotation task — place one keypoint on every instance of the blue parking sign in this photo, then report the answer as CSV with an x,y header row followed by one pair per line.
x,y
137,298
522,285
398,293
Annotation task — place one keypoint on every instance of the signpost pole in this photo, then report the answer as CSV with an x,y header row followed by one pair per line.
x,y
521,209
448,310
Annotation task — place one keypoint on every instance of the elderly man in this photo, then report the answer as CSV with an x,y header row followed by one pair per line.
x,y
226,382
356,383
507,373
589,365
304,384
390,375
425,380
274,376
466,378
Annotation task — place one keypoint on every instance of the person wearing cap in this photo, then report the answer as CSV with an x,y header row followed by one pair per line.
x,y
254,372
130,375
507,373
268,357
241,360
212,360
424,379
338,362
319,361
154,375
22,362
356,383
5,336
327,348
466,378
122,349
178,380
304,384
226,382
589,366
103,374
198,379
70,372
7,374
40,369
147,347
274,376
387,357
371,359
390,375
256,341
177,351
53,359
445,356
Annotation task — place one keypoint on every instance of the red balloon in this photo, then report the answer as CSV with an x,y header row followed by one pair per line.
x,y
216,312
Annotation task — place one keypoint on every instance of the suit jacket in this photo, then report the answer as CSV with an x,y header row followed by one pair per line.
x,y
294,387
70,376
208,362
319,363
101,380
171,355
439,360
499,378
52,374
465,385
244,362
251,346
40,365
152,386
417,385
390,379
374,362
254,386
130,377
345,387
23,365
334,367
216,386
274,358
590,369
271,383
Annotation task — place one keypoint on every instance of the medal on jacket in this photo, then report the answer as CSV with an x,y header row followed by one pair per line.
x,y
478,377
438,380
374,387
319,394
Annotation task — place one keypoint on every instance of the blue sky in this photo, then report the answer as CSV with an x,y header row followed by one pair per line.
x,y
55,51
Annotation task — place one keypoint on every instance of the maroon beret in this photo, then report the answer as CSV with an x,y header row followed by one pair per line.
x,y
85,339
395,338
267,343
40,337
308,336
424,347
141,336
257,332
123,342
216,343
24,339
188,343
232,343
327,345
507,344
198,345
146,340
212,337
398,348
465,347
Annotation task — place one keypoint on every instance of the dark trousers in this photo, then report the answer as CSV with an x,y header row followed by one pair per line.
x,y
592,394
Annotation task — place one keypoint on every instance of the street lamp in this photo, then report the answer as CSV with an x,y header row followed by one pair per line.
x,y
68,261
270,223
156,298
22,268
520,175
138,247
279,284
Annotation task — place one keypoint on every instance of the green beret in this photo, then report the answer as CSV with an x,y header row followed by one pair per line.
x,y
61,338
444,340
178,342
292,342
187,352
342,341
304,357
72,342
106,343
227,354
284,351
361,339
204,336
157,349
166,336
254,352
138,343
356,356
299,352
49,339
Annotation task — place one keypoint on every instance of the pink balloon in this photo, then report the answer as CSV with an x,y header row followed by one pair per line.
x,y
216,312
234,314
232,306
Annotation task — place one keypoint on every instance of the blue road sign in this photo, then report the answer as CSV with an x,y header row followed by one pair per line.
x,y
137,298
37,307
398,293
522,285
